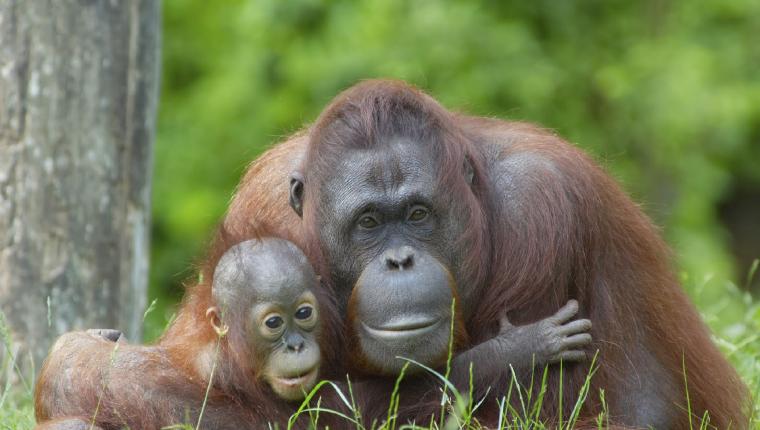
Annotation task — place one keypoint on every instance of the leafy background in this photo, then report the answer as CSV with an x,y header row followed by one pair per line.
x,y
666,95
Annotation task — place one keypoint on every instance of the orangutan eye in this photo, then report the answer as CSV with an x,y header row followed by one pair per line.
x,y
368,221
418,214
304,312
274,322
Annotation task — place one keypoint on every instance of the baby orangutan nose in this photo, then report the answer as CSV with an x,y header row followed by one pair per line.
x,y
294,342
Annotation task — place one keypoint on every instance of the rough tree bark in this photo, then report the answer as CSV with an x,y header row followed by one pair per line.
x,y
78,97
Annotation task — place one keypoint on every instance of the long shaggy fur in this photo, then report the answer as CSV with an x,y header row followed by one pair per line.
x,y
560,228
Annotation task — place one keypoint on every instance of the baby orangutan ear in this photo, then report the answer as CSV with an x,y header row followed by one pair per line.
x,y
214,318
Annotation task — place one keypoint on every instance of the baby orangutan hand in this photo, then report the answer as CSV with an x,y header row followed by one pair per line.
x,y
548,341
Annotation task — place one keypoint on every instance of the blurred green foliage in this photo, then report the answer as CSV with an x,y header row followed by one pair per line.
x,y
665,94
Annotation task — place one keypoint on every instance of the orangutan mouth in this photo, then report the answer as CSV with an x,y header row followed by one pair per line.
x,y
299,380
403,328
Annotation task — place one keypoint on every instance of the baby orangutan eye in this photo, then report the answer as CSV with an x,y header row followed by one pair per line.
x,y
274,322
304,312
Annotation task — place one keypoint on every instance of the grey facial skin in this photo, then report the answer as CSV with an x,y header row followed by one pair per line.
x,y
380,224
268,284
418,288
389,233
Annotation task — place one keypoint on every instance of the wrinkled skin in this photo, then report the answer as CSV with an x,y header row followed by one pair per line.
x,y
549,341
381,224
384,224
268,286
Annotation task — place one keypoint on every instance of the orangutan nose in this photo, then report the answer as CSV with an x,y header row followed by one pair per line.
x,y
294,342
399,259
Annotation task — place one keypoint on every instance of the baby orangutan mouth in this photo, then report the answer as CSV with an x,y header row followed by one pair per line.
x,y
294,386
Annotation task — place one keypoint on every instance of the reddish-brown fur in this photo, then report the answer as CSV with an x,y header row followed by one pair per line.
x,y
68,423
147,387
130,386
577,235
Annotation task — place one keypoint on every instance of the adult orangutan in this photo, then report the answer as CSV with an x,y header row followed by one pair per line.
x,y
403,205
396,192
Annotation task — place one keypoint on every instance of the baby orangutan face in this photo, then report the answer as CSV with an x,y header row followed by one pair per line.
x,y
287,330
265,287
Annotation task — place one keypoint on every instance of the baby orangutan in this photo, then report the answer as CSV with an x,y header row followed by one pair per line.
x,y
267,290
266,319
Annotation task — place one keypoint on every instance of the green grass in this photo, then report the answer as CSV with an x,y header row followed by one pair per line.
x,y
734,317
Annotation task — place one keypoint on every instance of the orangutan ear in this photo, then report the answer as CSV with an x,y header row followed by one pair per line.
x,y
469,172
296,192
214,317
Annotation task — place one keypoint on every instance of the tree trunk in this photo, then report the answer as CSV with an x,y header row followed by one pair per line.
x,y
78,96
